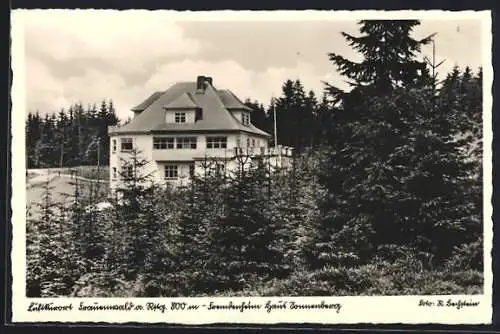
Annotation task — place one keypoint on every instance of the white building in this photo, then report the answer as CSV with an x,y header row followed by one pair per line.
x,y
178,130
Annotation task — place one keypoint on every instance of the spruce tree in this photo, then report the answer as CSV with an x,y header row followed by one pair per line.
x,y
461,95
389,55
49,251
134,211
245,242
393,174
201,213
295,112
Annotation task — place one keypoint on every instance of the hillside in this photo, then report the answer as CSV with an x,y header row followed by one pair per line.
x,y
62,183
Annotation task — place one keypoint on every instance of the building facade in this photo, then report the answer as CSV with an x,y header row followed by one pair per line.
x,y
182,130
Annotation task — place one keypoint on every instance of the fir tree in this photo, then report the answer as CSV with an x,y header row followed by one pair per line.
x,y
295,113
49,251
65,137
135,205
393,174
245,244
389,56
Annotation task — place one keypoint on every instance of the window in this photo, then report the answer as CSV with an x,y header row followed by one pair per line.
x,y
114,145
171,172
238,142
180,117
127,172
191,170
186,142
198,115
114,173
248,142
163,143
216,142
126,145
245,118
253,142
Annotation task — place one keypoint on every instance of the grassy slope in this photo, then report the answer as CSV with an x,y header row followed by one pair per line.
x,y
63,187
89,172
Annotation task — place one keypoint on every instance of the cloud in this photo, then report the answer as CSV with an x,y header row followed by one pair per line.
x,y
229,74
85,62
126,39
48,93
44,92
89,55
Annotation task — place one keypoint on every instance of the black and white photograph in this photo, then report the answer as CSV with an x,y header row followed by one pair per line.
x,y
242,160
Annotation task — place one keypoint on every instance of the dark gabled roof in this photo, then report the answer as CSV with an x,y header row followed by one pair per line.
x,y
215,114
230,100
147,102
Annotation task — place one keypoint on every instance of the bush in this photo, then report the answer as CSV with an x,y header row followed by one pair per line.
x,y
374,279
104,284
467,256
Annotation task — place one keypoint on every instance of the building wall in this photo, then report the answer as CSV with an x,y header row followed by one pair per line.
x,y
251,141
188,154
158,158
238,115
143,144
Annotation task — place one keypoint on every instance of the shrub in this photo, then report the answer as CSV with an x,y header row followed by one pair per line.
x,y
467,256
103,284
374,279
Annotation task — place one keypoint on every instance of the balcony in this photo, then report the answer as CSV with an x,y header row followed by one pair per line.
x,y
190,154
201,153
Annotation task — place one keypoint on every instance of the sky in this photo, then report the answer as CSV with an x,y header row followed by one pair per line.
x,y
87,56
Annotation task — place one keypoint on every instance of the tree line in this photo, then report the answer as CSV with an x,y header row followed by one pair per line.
x,y
301,120
70,137
388,200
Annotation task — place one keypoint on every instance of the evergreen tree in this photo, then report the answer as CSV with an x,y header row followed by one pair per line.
x,y
309,120
324,123
65,138
201,213
389,56
33,135
135,209
295,113
393,174
244,243
461,95
49,250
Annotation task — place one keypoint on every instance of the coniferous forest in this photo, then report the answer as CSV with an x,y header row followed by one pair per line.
x,y
384,196
68,138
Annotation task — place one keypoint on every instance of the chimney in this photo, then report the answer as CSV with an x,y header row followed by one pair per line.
x,y
199,82
209,80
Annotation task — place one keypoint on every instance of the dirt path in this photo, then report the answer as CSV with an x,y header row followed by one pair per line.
x,y
49,174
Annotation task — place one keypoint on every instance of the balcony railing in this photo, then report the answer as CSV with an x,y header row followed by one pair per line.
x,y
190,154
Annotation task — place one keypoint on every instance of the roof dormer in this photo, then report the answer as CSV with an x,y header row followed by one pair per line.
x,y
182,110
